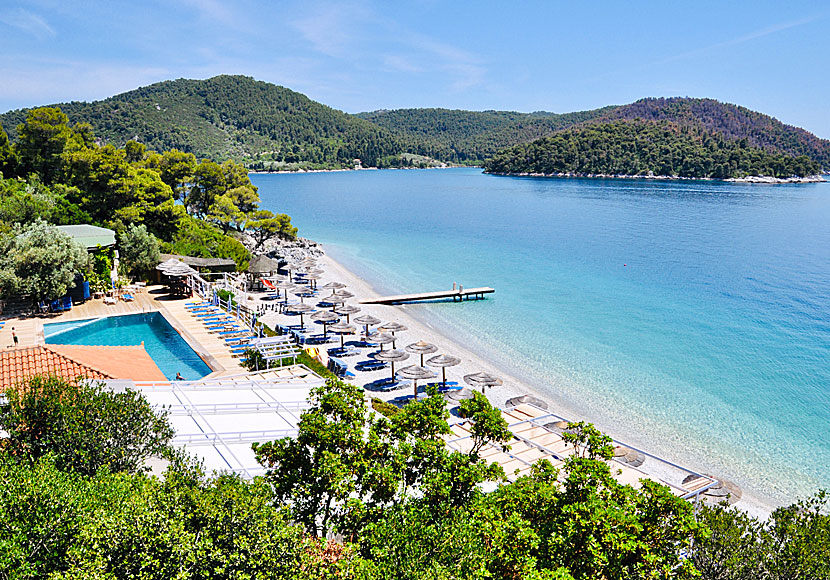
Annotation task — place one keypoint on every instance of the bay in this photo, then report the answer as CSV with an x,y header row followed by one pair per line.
x,y
691,318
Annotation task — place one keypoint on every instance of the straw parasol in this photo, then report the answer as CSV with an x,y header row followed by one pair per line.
x,y
342,329
392,356
262,264
302,292
332,301
285,286
300,309
343,294
333,286
168,263
482,380
382,338
421,347
459,395
443,361
325,316
367,320
416,373
313,278
392,327
347,310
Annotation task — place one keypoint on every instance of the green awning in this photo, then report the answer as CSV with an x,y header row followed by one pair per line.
x,y
90,236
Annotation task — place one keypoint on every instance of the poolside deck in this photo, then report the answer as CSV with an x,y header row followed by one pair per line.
x,y
29,328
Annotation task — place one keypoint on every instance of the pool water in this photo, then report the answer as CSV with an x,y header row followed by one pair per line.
x,y
164,345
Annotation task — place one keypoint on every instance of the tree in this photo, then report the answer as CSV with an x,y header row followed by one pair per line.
x,y
265,226
139,249
134,151
316,471
208,184
83,427
41,261
488,424
8,156
177,170
41,143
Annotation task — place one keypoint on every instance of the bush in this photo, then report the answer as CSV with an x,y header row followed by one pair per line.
x,y
199,239
384,408
84,427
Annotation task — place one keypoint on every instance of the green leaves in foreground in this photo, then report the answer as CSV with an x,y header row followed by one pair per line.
x,y
82,427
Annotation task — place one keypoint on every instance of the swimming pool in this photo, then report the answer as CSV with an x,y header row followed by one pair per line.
x,y
164,345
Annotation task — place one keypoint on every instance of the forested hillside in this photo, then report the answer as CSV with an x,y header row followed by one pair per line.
x,y
647,147
230,117
469,137
731,121
268,127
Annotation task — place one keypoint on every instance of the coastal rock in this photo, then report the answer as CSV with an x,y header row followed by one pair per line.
x,y
288,250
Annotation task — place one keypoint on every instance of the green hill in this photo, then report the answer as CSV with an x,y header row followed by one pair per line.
x,y
460,136
639,147
232,117
271,127
731,121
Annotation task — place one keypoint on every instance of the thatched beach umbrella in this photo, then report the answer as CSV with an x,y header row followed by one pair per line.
x,y
443,361
169,263
482,380
345,294
392,327
392,356
347,310
326,317
415,373
302,292
312,278
459,395
367,320
342,329
382,338
333,286
421,347
262,264
300,309
285,286
332,301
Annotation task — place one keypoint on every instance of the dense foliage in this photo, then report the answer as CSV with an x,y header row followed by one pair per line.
x,y
642,148
273,128
731,121
82,427
76,502
232,117
470,137
59,174
38,260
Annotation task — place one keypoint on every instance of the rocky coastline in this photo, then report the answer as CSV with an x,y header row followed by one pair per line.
x,y
748,179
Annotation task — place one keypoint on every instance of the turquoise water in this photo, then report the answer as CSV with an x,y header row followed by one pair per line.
x,y
164,345
689,318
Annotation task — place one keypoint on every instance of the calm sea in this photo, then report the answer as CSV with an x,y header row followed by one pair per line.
x,y
689,318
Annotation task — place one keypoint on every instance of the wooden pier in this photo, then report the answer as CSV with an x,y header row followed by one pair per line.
x,y
456,295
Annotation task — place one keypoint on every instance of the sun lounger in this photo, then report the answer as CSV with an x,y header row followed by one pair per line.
x,y
110,300
127,297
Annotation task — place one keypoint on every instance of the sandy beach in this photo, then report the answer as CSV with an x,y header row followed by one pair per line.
x,y
418,328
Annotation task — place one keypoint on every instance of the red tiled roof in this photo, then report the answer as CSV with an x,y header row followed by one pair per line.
x,y
73,361
18,363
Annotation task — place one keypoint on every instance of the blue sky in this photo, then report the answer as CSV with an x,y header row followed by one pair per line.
x,y
363,55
